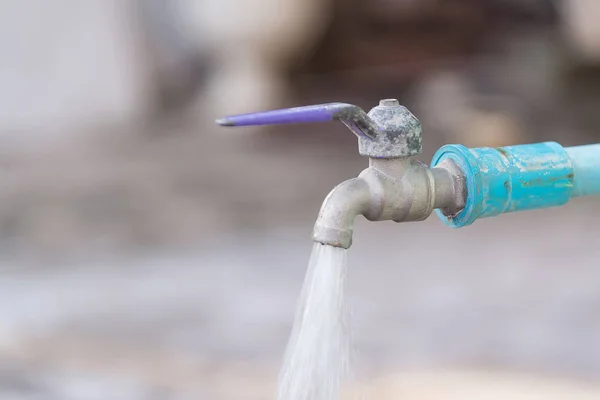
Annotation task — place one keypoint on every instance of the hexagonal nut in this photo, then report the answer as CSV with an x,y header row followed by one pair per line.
x,y
400,132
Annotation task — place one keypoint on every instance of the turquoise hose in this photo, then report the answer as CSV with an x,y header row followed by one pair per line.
x,y
586,168
524,177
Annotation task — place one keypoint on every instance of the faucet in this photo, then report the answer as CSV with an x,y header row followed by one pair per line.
x,y
462,184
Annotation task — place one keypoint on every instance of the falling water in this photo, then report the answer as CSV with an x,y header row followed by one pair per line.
x,y
316,359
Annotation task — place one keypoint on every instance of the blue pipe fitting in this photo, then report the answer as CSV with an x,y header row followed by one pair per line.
x,y
513,178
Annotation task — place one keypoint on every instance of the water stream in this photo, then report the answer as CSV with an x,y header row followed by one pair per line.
x,y
316,360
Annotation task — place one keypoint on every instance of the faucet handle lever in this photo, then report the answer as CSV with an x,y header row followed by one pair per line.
x,y
350,115
389,130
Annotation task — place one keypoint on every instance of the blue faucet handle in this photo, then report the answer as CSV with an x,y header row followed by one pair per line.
x,y
352,116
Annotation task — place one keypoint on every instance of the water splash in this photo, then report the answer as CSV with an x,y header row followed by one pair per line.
x,y
316,360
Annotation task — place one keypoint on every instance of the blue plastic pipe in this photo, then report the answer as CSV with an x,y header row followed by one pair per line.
x,y
586,168
524,177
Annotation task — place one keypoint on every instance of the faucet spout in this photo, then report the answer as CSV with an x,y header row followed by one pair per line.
x,y
399,190
339,210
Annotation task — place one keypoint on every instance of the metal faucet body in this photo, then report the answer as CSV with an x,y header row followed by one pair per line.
x,y
462,185
394,186
390,189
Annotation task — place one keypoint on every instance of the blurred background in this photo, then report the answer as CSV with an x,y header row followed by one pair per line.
x,y
147,254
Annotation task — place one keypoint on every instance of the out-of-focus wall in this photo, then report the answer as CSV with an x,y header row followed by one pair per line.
x,y
581,27
252,44
68,64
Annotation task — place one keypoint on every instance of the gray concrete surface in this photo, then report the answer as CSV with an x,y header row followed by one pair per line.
x,y
511,293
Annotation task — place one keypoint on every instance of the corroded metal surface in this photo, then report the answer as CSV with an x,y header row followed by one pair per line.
x,y
401,134
397,189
